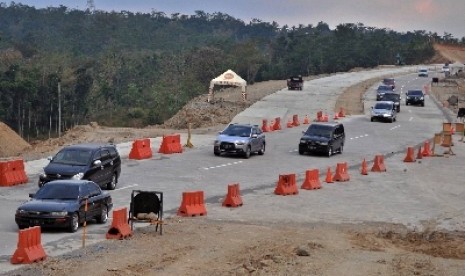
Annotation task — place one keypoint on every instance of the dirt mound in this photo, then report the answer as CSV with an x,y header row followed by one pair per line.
x,y
448,53
11,144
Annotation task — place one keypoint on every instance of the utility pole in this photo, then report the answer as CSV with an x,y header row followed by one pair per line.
x,y
59,108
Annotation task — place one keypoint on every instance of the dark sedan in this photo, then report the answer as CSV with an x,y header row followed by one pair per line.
x,y
62,204
415,97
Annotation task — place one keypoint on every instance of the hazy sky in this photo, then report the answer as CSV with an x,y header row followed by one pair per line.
x,y
399,15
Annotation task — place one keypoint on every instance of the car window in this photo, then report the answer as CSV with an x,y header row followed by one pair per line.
x,y
383,106
319,130
392,97
242,131
94,190
72,157
104,155
415,93
57,192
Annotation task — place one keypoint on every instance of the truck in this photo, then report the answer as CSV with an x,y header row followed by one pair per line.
x,y
295,83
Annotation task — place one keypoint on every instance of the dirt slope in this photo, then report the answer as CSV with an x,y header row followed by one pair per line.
x,y
448,53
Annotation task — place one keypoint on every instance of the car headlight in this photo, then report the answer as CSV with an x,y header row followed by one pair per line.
x,y
241,143
78,176
20,212
303,141
324,143
58,214
42,175
421,98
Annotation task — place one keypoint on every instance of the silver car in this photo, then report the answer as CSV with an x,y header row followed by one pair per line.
x,y
384,111
241,139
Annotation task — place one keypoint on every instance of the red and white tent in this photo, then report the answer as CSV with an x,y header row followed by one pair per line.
x,y
228,78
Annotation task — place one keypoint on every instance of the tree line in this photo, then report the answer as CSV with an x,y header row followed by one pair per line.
x,y
62,66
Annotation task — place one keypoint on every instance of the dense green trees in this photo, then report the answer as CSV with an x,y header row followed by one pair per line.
x,y
134,69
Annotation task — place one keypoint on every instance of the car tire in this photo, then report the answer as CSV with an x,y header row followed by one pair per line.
x,y
301,152
103,217
112,184
330,151
422,104
216,153
247,152
262,149
372,119
74,223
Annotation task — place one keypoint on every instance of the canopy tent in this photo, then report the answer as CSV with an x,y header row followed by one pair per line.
x,y
228,78
456,67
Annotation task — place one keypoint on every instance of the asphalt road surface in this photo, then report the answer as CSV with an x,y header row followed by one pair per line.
x,y
382,197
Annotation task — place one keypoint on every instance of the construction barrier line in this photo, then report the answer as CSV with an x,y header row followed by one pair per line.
x,y
120,228
29,248
233,197
141,149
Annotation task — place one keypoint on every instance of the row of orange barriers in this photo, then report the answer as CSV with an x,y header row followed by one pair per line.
x,y
141,148
275,124
12,173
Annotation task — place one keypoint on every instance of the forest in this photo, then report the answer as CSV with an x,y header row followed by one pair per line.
x,y
60,67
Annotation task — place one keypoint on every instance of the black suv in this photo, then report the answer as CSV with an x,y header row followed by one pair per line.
x,y
393,97
381,90
100,163
415,97
240,138
323,137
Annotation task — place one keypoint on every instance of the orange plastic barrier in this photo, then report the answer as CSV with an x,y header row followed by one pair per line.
x,y
326,118
286,185
29,248
12,173
419,154
378,164
410,155
319,116
265,127
271,127
233,198
341,112
120,228
364,170
289,124
341,172
312,180
295,120
329,176
140,149
306,120
426,149
335,117
192,204
171,144
277,124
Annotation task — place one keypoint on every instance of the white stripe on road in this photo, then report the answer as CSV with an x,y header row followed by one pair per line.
x,y
127,187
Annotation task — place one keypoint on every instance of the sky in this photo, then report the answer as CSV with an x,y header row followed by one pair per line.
x,y
438,16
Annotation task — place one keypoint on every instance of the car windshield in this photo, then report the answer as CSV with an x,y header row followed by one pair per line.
x,y
384,88
423,70
77,157
319,130
391,97
415,93
55,191
388,81
241,131
383,106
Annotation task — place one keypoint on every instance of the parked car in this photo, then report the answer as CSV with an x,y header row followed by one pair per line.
x,y
381,90
390,82
327,138
384,111
100,163
393,97
242,139
61,204
423,72
415,97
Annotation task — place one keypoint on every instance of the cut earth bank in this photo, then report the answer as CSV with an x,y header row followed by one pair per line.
x,y
211,245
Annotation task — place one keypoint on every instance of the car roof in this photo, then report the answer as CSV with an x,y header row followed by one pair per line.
x,y
90,146
69,182
384,102
332,124
245,125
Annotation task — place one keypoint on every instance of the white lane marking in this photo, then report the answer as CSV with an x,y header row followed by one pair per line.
x,y
358,137
127,187
222,165
409,111
392,128
410,119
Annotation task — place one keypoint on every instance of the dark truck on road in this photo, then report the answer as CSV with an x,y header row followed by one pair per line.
x,y
295,83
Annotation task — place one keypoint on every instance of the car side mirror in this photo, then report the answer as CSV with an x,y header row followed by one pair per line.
x,y
303,132
97,163
31,195
50,158
371,107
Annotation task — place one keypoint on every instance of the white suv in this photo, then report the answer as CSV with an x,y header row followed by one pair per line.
x,y
384,111
241,139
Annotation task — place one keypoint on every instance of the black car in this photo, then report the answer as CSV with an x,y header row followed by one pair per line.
x,y
323,137
393,97
415,97
61,204
381,90
100,163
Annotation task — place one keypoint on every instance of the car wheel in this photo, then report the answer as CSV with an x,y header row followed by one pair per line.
x,y
74,223
394,119
301,152
262,150
216,153
372,119
422,104
112,184
247,152
103,217
330,151
406,103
